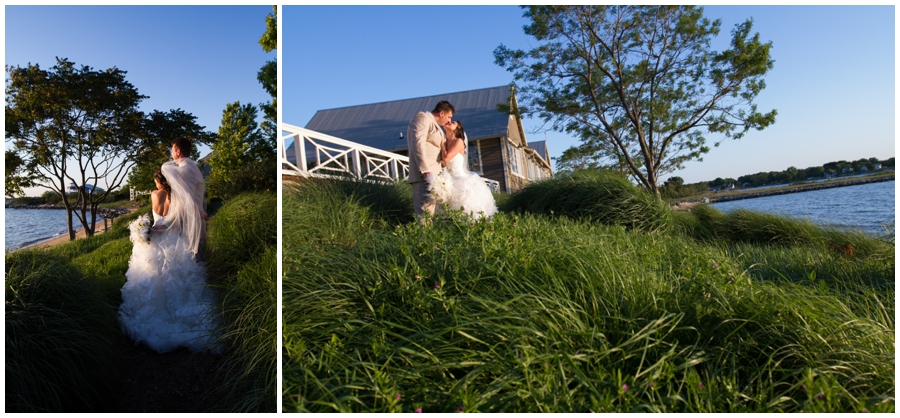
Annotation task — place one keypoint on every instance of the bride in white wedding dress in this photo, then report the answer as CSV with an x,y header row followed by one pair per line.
x,y
470,194
165,301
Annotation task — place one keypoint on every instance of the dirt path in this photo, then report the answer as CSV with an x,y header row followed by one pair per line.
x,y
178,381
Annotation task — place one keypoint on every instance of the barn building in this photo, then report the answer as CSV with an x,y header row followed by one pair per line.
x,y
498,149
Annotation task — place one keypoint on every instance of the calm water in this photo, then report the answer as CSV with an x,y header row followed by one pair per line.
x,y
866,206
30,226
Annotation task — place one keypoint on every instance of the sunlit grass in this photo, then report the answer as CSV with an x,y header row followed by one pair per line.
x,y
539,313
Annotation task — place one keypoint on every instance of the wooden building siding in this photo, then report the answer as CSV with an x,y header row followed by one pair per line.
x,y
492,161
513,132
496,134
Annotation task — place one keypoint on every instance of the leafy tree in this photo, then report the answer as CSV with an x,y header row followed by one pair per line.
x,y
71,125
158,130
268,75
240,143
672,187
16,183
642,78
815,172
674,181
590,155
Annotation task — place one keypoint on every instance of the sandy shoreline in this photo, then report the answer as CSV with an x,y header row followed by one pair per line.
x,y
78,234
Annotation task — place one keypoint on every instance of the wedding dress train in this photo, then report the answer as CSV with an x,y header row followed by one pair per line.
x,y
165,301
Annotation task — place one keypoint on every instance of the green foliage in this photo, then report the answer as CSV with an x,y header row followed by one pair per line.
x,y
530,313
60,336
254,176
51,197
744,226
603,197
16,181
240,144
268,74
389,202
639,85
72,124
158,131
242,262
239,232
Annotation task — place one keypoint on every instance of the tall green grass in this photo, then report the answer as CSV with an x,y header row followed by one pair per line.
x,y
62,302
242,263
744,226
602,197
60,336
538,313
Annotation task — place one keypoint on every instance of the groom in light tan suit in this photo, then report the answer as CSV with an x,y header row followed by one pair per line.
x,y
424,139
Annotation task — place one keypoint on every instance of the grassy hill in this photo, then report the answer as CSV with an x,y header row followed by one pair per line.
x,y
581,295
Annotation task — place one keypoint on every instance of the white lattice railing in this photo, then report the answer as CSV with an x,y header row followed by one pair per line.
x,y
314,154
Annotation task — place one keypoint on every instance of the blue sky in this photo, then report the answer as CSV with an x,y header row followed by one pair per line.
x,y
832,83
196,58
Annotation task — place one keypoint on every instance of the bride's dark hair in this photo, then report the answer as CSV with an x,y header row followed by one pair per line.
x,y
460,132
158,176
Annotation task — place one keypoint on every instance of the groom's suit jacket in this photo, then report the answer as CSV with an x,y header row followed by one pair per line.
x,y
423,140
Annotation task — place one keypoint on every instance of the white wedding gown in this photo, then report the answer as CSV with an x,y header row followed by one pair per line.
x,y
165,301
470,193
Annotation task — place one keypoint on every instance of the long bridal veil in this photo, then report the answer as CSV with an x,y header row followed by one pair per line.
x,y
184,221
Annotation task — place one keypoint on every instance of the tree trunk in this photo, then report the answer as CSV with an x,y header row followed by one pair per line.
x,y
69,224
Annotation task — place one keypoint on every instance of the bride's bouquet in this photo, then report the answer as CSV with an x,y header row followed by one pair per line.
x,y
441,186
140,230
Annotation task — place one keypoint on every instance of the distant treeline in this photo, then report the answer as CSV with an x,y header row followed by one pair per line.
x,y
51,197
674,187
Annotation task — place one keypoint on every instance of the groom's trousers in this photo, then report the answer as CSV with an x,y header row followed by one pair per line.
x,y
422,201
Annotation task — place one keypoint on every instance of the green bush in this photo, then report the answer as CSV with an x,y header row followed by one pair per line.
x,y
240,231
258,176
745,226
242,263
251,304
602,197
391,202
60,336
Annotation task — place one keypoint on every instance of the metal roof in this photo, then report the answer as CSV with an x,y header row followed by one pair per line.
x,y
379,125
541,148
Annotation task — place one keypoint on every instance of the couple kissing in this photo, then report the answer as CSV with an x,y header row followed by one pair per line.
x,y
438,167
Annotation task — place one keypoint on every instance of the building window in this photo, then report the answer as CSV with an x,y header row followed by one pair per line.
x,y
474,154
515,162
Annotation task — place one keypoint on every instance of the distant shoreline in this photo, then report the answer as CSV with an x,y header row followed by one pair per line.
x,y
696,199
106,213
102,211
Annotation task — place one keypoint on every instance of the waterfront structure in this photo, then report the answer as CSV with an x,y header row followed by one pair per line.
x,y
73,189
498,149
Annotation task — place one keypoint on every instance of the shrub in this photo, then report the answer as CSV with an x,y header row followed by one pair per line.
x,y
391,202
240,231
250,369
745,226
257,176
602,197
242,262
